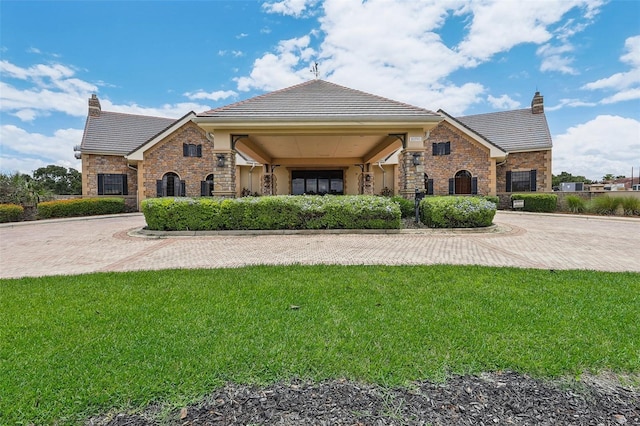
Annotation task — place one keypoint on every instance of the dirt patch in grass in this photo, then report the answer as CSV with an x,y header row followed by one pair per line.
x,y
495,398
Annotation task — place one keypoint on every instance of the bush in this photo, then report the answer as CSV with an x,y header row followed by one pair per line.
x,y
407,207
10,213
605,205
271,212
541,203
80,207
457,212
576,204
631,206
493,198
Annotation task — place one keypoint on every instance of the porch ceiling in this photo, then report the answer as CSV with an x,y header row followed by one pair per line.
x,y
318,149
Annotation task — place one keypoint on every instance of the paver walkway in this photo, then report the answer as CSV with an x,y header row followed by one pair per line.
x,y
524,240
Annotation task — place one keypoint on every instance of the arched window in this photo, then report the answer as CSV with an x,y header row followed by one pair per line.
x,y
463,183
206,186
170,186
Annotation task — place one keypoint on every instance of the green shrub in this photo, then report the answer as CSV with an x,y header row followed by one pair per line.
x,y
80,207
271,212
576,204
457,212
493,198
10,213
407,207
605,205
631,206
541,203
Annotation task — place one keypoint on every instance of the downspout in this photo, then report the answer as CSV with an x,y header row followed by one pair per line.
x,y
384,174
253,166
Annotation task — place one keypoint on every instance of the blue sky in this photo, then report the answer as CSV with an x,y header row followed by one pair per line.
x,y
466,57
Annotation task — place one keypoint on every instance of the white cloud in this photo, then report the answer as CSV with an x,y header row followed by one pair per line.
x,y
625,84
167,110
214,96
24,152
503,102
392,47
606,144
274,71
569,103
295,8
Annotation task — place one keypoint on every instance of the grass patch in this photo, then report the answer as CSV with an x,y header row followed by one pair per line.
x,y
75,346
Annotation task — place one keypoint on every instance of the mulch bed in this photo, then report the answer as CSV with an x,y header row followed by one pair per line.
x,y
490,399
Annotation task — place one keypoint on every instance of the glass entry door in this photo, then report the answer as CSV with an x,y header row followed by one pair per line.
x,y
317,182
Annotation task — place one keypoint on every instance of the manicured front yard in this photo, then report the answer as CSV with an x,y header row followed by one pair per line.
x,y
74,346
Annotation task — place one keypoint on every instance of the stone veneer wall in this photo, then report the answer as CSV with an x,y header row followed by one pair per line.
x,y
466,154
525,161
411,175
167,156
92,165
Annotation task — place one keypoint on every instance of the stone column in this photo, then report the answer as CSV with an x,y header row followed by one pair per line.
x,y
367,183
224,175
411,174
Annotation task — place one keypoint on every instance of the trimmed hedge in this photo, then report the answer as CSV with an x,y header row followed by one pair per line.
x,y
271,212
457,212
407,207
80,207
541,203
10,213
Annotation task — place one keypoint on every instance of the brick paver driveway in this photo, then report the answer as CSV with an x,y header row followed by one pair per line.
x,y
523,240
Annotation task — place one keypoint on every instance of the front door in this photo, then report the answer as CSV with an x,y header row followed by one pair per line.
x,y
317,182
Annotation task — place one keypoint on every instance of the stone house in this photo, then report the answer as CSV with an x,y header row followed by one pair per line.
x,y
314,138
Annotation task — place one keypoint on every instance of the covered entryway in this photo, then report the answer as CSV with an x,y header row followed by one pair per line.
x,y
320,138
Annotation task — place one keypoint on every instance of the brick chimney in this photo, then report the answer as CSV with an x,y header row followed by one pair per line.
x,y
537,104
94,106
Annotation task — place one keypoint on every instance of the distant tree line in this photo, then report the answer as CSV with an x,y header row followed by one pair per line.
x,y
46,182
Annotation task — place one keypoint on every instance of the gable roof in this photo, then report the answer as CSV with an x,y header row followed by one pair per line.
x,y
494,150
315,101
513,131
115,133
138,152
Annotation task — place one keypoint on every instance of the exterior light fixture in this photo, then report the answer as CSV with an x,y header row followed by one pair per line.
x,y
416,159
367,178
220,158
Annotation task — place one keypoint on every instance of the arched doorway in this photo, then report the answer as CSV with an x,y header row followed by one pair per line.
x,y
206,186
463,182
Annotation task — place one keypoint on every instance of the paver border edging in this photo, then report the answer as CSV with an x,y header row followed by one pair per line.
x,y
142,232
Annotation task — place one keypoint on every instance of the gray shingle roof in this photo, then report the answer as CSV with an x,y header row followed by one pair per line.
x,y
517,130
118,134
319,100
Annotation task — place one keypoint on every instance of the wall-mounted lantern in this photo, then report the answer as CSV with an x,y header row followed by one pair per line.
x,y
367,178
416,159
220,158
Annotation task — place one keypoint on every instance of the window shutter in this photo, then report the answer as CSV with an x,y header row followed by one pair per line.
x,y
533,180
204,186
100,184
183,187
430,187
434,149
452,186
474,185
125,188
185,150
447,148
159,188
199,150
508,188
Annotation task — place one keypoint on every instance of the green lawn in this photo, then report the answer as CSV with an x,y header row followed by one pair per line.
x,y
75,346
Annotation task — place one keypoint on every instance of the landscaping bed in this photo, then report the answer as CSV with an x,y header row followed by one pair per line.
x,y
495,398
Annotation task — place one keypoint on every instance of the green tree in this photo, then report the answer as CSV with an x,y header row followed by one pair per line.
x,y
59,180
19,188
567,177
